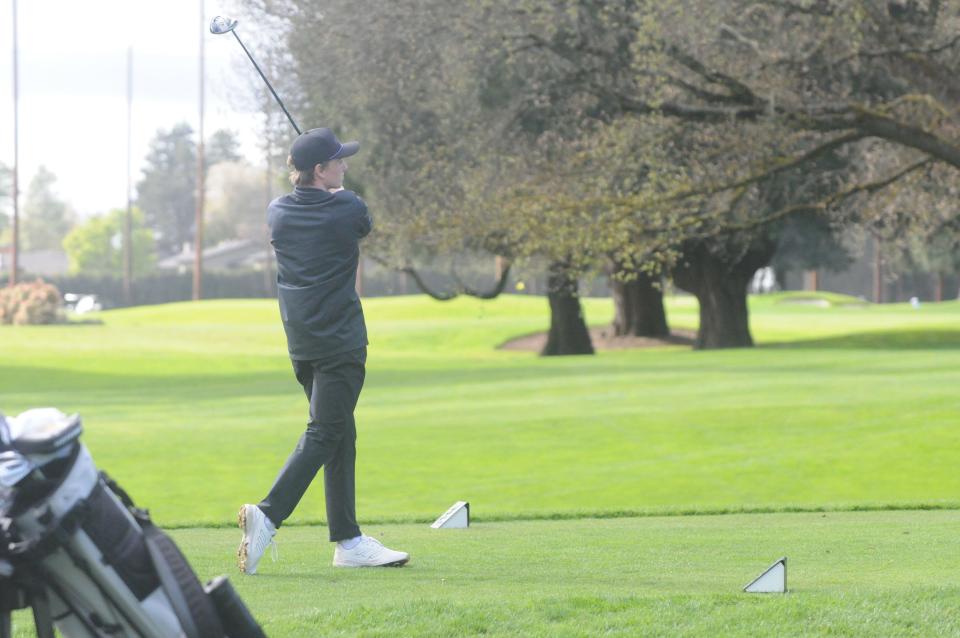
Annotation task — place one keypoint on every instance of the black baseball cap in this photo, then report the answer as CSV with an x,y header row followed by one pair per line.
x,y
319,145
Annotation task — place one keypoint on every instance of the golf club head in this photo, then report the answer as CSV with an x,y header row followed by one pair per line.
x,y
222,25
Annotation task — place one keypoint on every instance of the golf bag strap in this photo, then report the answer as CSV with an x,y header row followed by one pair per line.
x,y
42,620
193,607
121,493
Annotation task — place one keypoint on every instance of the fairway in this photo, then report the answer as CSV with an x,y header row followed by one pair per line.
x,y
193,407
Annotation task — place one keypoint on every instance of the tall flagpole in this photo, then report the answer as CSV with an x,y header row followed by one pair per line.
x,y
128,219
198,224
15,247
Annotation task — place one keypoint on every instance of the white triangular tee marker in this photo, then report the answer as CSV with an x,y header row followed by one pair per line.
x,y
771,581
457,517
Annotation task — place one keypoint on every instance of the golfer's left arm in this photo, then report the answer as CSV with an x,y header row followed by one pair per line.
x,y
364,221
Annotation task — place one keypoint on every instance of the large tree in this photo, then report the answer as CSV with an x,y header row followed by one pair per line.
x,y
167,193
771,89
6,197
46,218
236,202
223,146
494,109
413,101
846,70
459,125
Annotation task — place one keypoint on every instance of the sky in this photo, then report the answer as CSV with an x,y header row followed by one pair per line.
x,y
73,89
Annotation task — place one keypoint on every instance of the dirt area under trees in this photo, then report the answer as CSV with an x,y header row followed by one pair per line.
x,y
603,339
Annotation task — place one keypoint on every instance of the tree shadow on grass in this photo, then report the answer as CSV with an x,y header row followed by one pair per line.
x,y
880,340
127,388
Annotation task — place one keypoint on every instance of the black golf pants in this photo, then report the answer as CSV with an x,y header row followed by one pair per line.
x,y
333,386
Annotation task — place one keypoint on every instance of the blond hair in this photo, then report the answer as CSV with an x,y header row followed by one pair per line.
x,y
304,177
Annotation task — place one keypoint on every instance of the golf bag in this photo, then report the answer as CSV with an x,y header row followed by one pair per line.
x,y
75,549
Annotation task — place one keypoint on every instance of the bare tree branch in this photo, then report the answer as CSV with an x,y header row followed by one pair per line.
x,y
780,166
880,125
824,204
489,294
729,31
900,51
827,117
737,88
422,285
817,8
461,288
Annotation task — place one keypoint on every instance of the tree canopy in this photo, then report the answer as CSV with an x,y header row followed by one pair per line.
x,y
167,194
95,246
46,217
236,202
498,102
637,135
6,198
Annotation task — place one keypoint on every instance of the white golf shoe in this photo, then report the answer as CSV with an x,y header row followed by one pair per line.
x,y
258,533
369,552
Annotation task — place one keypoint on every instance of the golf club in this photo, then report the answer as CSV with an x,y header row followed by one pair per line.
x,y
221,25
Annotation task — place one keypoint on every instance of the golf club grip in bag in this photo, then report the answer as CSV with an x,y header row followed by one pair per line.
x,y
75,548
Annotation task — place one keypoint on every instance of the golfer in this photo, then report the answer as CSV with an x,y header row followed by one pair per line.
x,y
315,231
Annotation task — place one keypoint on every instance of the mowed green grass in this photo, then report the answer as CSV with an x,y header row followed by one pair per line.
x,y
857,574
192,407
849,574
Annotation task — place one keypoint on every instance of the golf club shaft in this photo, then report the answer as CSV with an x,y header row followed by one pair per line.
x,y
257,67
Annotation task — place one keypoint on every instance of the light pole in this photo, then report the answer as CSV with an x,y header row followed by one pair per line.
x,y
198,223
128,219
15,230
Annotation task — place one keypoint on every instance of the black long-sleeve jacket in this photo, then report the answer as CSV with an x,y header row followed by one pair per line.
x,y
316,237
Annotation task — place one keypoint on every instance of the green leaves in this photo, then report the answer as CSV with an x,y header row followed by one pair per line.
x,y
95,247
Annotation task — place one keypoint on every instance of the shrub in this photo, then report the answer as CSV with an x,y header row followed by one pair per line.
x,y
34,302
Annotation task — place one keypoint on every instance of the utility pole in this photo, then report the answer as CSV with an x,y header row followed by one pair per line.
x,y
15,239
128,220
877,271
198,223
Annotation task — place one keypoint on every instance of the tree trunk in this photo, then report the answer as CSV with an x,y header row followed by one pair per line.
x,y
720,285
877,273
724,321
781,276
568,329
638,308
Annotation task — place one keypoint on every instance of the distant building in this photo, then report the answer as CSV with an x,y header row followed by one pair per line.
x,y
43,263
232,254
